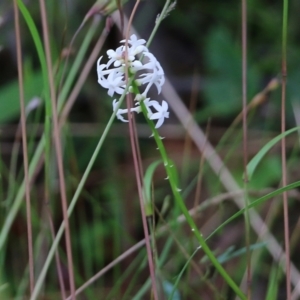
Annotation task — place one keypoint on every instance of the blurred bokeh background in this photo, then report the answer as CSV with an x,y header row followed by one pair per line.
x,y
199,48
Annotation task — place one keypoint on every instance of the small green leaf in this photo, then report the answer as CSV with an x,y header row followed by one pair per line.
x,y
147,186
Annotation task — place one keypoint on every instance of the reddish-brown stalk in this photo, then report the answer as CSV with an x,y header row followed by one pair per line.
x,y
58,150
57,259
82,77
137,160
24,143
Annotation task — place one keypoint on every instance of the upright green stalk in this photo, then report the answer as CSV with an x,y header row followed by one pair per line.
x,y
170,170
172,178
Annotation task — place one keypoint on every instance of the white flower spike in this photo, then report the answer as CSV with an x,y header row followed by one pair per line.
x,y
111,76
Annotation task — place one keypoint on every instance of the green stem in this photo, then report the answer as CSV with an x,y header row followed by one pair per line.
x,y
169,167
172,178
158,21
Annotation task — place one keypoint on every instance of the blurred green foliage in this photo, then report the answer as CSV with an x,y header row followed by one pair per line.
x,y
201,35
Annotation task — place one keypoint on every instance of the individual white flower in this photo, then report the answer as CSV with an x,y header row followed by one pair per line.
x,y
134,42
136,45
115,57
161,111
120,111
154,76
114,81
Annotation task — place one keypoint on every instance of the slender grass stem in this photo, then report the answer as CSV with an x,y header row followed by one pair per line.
x,y
62,98
245,143
58,148
74,200
169,167
137,161
25,150
283,146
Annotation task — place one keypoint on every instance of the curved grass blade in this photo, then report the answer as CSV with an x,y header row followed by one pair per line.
x,y
259,156
255,203
147,186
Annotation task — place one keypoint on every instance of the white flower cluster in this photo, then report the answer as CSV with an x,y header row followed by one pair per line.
x,y
112,77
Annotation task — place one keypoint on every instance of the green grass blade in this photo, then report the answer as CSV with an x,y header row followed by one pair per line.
x,y
172,177
259,156
255,203
37,42
272,292
148,187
